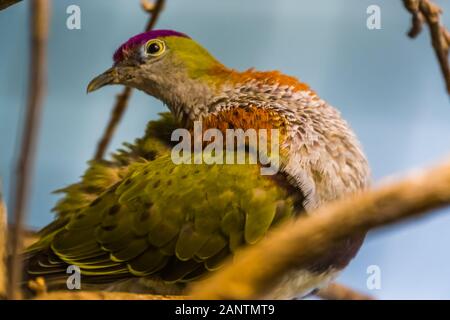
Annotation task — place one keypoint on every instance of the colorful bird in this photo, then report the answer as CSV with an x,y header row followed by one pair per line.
x,y
140,222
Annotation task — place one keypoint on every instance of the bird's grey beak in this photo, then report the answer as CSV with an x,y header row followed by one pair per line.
x,y
110,76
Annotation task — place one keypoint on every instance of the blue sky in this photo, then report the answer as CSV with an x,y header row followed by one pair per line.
x,y
387,86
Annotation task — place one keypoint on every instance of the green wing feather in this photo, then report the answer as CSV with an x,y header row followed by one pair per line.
x,y
141,215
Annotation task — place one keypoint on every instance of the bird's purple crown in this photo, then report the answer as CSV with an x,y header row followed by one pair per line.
x,y
142,38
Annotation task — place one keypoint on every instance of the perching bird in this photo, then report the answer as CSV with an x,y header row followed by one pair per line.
x,y
143,223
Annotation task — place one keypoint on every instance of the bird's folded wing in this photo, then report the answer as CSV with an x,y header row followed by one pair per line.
x,y
174,222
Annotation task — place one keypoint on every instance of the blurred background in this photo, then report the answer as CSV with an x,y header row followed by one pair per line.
x,y
387,86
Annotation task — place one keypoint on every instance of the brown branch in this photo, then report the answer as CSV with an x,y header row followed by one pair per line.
x,y
427,12
101,295
122,99
3,245
332,292
116,115
297,244
28,237
337,291
6,3
39,286
39,14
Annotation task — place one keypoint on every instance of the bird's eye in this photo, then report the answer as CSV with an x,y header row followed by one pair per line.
x,y
155,47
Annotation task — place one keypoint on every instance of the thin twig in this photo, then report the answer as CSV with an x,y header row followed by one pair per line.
x,y
336,291
6,3
122,99
295,245
39,14
425,11
116,115
29,237
3,245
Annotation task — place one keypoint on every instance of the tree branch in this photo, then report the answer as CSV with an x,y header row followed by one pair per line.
x,y
332,292
101,295
122,99
6,3
337,291
427,12
3,245
39,13
299,243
